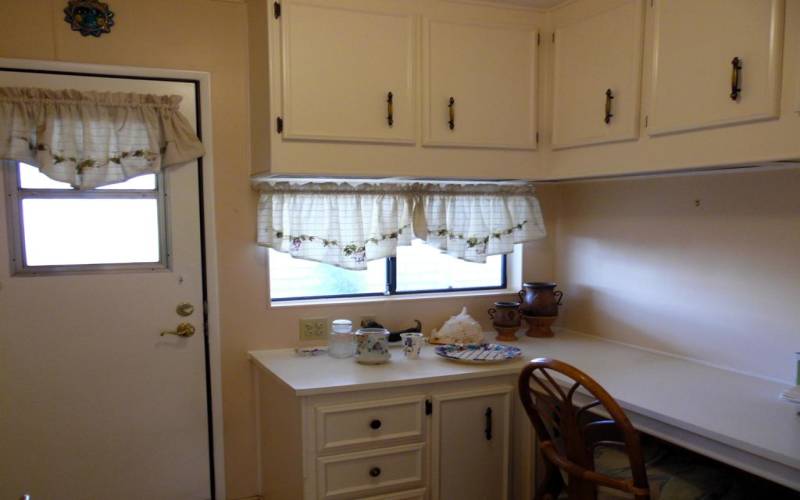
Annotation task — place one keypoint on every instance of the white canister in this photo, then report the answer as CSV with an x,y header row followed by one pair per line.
x,y
340,341
372,346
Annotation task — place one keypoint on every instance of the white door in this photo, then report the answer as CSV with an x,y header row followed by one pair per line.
x,y
348,72
479,85
95,403
597,77
470,444
705,48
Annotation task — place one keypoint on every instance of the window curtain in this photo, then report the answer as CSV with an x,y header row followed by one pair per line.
x,y
473,222
348,224
91,139
335,223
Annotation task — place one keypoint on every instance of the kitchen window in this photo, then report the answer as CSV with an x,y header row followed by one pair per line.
x,y
55,228
335,238
416,269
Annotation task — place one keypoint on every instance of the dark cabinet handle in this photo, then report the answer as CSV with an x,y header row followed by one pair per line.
x,y
390,108
736,78
452,110
609,98
488,429
375,472
375,424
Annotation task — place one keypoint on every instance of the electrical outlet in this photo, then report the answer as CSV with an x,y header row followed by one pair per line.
x,y
313,328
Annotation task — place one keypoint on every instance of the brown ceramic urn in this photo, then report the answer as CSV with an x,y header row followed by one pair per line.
x,y
539,299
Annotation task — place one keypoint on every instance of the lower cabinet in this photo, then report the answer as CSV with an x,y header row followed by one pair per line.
x,y
440,441
470,444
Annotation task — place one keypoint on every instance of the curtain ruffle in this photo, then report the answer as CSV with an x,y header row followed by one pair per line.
x,y
349,223
91,139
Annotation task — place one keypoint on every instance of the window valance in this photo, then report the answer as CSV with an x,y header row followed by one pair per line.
x,y
91,139
348,224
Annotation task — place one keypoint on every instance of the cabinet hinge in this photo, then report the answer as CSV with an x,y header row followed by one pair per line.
x,y
646,121
279,125
276,9
428,407
538,38
554,37
537,137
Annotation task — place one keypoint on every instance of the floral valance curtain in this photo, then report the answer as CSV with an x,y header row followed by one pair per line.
x,y
91,139
348,224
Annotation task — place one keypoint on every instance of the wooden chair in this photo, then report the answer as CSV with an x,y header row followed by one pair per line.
x,y
568,434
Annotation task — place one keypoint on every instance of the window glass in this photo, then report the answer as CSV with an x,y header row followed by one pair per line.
x,y
298,278
421,267
76,231
418,268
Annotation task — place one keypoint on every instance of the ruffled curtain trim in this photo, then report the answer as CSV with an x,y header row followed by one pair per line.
x,y
91,139
348,223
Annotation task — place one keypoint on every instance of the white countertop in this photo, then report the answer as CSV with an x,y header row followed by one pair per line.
x,y
740,411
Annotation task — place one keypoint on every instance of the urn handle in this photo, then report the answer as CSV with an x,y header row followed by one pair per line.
x,y
521,294
491,312
559,295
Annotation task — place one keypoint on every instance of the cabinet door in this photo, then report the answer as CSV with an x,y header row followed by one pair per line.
x,y
484,77
471,445
339,66
597,77
695,45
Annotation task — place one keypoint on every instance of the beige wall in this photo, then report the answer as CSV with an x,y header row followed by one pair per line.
x,y
209,35
705,266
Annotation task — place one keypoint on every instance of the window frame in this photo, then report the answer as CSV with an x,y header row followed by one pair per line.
x,y
391,287
15,194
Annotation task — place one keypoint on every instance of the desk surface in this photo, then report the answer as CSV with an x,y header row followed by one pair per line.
x,y
732,417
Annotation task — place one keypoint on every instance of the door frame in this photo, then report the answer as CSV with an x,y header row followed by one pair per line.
x,y
213,358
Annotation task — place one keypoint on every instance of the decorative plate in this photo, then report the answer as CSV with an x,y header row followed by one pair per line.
x,y
90,17
478,353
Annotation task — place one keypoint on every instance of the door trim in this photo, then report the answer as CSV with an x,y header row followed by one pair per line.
x,y
202,81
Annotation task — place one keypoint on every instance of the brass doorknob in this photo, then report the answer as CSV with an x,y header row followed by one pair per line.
x,y
183,330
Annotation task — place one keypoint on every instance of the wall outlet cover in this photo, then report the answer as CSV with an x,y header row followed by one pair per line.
x,y
313,328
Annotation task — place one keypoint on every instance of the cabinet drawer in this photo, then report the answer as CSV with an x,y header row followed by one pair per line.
x,y
356,474
418,494
371,422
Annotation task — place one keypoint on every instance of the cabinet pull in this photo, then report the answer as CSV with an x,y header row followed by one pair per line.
x,y
451,108
736,78
375,424
488,429
390,108
609,115
375,472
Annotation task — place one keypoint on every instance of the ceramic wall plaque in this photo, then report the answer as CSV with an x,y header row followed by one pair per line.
x,y
89,17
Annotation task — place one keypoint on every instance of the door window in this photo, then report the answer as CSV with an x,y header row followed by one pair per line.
x,y
55,228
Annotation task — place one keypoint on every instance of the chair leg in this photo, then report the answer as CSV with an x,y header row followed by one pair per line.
x,y
551,484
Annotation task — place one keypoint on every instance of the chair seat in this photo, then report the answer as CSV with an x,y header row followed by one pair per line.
x,y
672,474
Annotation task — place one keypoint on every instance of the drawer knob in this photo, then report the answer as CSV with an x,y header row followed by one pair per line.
x,y
375,472
375,424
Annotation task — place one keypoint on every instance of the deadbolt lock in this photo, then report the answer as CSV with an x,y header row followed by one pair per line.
x,y
184,309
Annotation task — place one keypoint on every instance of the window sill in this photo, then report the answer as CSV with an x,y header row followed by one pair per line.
x,y
391,298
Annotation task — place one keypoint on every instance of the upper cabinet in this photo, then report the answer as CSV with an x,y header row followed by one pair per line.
x,y
337,88
479,84
451,88
715,63
597,77
348,72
